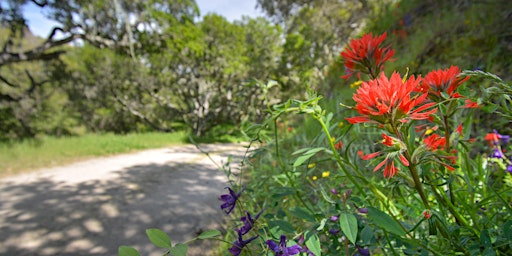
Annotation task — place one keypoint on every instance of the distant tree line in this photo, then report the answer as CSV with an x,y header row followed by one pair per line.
x,y
136,65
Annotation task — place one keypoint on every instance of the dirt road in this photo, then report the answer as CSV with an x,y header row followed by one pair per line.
x,y
93,207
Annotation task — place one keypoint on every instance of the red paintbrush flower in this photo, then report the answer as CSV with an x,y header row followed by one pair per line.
x,y
470,104
365,56
389,162
443,81
384,100
435,142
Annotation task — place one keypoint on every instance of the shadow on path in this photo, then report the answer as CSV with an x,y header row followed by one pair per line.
x,y
51,217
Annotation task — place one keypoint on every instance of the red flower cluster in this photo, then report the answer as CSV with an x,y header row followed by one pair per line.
x,y
443,81
384,100
365,56
389,162
435,142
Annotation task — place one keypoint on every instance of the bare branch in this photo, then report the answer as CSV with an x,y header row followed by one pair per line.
x,y
40,3
140,115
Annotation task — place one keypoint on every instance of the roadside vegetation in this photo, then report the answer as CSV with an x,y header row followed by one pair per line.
x,y
45,152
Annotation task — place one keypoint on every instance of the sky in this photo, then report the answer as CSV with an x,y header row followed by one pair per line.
x,y
231,9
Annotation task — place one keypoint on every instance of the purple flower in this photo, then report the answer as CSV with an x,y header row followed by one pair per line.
x,y
334,218
509,168
334,191
504,138
362,210
248,223
230,200
238,245
333,231
363,252
304,247
496,153
282,249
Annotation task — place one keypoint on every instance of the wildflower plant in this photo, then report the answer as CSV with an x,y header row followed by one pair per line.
x,y
396,171
414,186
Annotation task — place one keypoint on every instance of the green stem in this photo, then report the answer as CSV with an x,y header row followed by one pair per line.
x,y
285,170
337,156
459,218
417,183
412,169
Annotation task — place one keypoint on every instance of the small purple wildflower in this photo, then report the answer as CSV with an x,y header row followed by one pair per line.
x,y
248,223
238,245
363,251
509,168
333,231
504,138
334,218
496,153
334,191
282,249
362,210
230,200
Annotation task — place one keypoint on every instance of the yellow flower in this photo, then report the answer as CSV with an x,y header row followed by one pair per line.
x,y
314,178
333,139
326,174
311,165
340,124
356,84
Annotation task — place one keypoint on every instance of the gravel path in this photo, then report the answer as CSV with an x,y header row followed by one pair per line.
x,y
93,207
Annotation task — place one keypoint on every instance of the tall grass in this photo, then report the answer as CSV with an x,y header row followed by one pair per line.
x,y
49,151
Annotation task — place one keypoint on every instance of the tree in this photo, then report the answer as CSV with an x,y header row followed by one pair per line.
x,y
125,26
315,33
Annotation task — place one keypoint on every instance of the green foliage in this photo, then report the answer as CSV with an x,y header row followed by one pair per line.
x,y
161,239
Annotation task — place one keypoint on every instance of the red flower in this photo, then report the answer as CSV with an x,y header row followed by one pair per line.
x,y
492,138
388,141
439,81
364,55
470,104
338,145
427,214
369,156
459,129
389,164
389,170
434,142
386,100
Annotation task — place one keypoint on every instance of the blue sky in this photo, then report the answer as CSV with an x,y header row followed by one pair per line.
x,y
231,9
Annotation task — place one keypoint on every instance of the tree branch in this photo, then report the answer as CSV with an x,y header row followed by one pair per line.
x,y
140,115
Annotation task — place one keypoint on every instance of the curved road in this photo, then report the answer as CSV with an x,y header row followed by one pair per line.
x,y
93,207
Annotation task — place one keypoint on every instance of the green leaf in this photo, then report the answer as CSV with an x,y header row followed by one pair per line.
x,y
367,235
325,196
322,224
348,224
301,159
158,238
280,227
489,252
127,251
303,214
313,242
179,250
507,231
385,221
485,239
209,234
